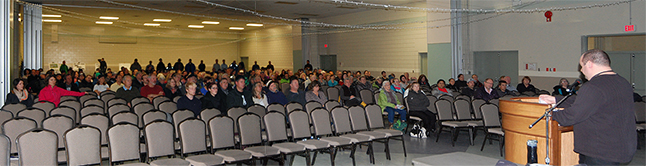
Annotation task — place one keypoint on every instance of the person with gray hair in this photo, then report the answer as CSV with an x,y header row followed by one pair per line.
x,y
349,95
602,113
389,102
151,90
562,87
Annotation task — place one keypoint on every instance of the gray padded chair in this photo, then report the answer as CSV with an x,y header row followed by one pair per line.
x,y
276,107
114,101
302,134
462,109
123,143
59,124
16,126
234,113
323,131
125,116
343,128
94,101
376,123
5,150
83,145
14,108
74,105
293,106
106,98
35,114
367,96
277,137
66,98
332,94
176,98
87,97
4,116
142,108
492,125
360,126
38,147
116,108
45,106
192,139
167,106
153,115
158,100
139,99
223,142
67,111
160,143
475,105
432,100
445,119
102,123
179,116
331,104
207,114
258,110
91,109
311,106
251,138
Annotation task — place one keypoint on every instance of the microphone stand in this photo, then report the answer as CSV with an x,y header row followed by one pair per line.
x,y
547,117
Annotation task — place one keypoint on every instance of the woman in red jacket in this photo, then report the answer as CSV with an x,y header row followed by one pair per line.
x,y
53,93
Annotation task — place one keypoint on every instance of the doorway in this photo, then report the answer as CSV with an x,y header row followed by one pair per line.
x,y
423,63
493,64
328,62
631,66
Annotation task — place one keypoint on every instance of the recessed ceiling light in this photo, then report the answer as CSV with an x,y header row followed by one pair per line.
x,y
236,28
254,25
104,22
162,20
51,15
109,18
52,20
196,26
210,22
151,24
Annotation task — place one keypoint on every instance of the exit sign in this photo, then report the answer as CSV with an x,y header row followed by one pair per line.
x,y
629,28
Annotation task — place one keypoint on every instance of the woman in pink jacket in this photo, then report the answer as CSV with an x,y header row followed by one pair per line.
x,y
53,93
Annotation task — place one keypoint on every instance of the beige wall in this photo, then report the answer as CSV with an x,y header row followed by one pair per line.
x,y
270,44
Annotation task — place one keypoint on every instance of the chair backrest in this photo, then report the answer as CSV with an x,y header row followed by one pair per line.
x,y
276,107
14,108
67,111
640,112
153,115
139,99
117,101
374,116
465,97
494,101
299,126
462,109
431,107
179,116
257,109
250,131
99,121
83,145
331,104
321,121
192,135
275,123
125,116
358,118
106,98
38,147
74,105
107,92
446,97
223,125
376,97
159,139
490,115
341,120
284,87
176,98
85,89
35,114
97,102
367,96
45,106
400,97
4,116
443,108
207,114
85,98
311,106
59,124
475,105
92,109
293,106
5,150
168,106
142,108
158,100
16,126
234,113
116,108
123,142
332,93
66,98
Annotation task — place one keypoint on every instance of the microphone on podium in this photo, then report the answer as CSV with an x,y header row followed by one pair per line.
x,y
574,85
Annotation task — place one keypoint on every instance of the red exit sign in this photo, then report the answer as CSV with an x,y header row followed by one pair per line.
x,y
629,28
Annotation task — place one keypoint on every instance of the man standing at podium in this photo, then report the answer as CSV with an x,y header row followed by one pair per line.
x,y
602,114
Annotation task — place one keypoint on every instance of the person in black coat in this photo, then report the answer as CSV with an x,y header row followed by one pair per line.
x,y
160,66
178,65
238,97
189,101
418,105
213,99
460,83
525,86
68,84
19,94
470,90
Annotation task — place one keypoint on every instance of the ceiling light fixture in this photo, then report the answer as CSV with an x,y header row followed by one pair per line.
x,y
162,20
254,25
196,26
52,20
104,22
109,18
151,24
52,15
236,28
210,22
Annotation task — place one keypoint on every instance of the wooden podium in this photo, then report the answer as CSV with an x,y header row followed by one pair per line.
x,y
517,115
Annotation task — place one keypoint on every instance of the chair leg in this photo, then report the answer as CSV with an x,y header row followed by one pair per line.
x,y
307,158
471,135
453,136
484,141
372,153
291,161
502,143
437,135
314,157
387,148
404,145
354,148
332,155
